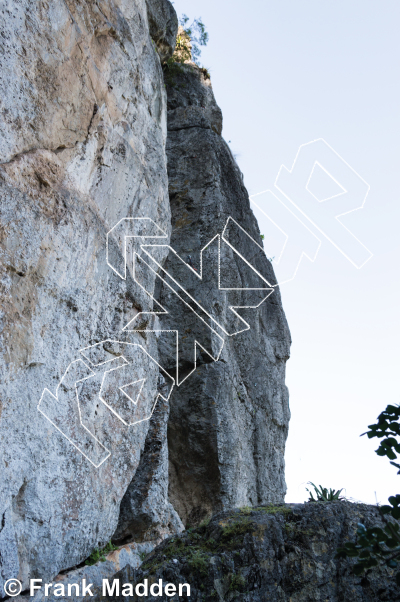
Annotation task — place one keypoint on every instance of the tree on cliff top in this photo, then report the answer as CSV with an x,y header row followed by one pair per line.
x,y
189,40
197,35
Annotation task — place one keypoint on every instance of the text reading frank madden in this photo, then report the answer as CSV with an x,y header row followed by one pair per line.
x,y
109,588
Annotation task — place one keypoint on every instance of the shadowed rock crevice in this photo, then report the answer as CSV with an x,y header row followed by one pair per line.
x,y
194,474
145,512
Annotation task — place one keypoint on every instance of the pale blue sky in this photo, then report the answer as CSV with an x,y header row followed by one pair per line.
x,y
285,73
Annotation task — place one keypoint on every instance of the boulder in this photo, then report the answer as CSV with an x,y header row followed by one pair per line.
x,y
279,553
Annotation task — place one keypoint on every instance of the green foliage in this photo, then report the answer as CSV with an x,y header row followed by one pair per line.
x,y
237,527
388,426
237,583
246,510
99,554
274,509
262,236
198,561
197,34
142,555
393,509
187,48
192,545
323,494
183,48
375,545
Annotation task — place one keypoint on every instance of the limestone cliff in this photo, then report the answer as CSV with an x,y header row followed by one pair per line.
x,y
82,146
229,420
83,190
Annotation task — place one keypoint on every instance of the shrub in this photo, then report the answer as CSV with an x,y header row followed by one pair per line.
x,y
237,583
99,554
197,35
198,562
324,495
188,42
375,545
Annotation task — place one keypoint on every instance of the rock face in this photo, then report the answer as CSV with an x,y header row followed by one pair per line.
x,y
96,443
279,554
127,555
163,24
82,146
229,421
228,418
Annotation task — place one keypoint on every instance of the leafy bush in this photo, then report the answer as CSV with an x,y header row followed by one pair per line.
x,y
188,42
388,426
99,554
197,34
324,495
376,545
198,561
237,583
183,48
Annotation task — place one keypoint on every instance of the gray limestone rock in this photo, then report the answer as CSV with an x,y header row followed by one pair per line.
x,y
163,24
126,555
82,146
275,554
94,442
229,420
145,511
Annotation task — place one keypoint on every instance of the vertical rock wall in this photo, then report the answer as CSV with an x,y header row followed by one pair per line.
x,y
229,421
82,138
83,132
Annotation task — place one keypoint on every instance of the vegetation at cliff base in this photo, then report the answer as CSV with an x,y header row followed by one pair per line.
x,y
323,494
375,545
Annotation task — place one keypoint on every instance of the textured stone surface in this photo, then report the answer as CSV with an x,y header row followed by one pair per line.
x,y
272,554
229,421
82,137
163,24
127,555
145,507
83,132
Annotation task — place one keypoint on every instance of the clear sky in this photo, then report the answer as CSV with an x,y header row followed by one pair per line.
x,y
286,73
